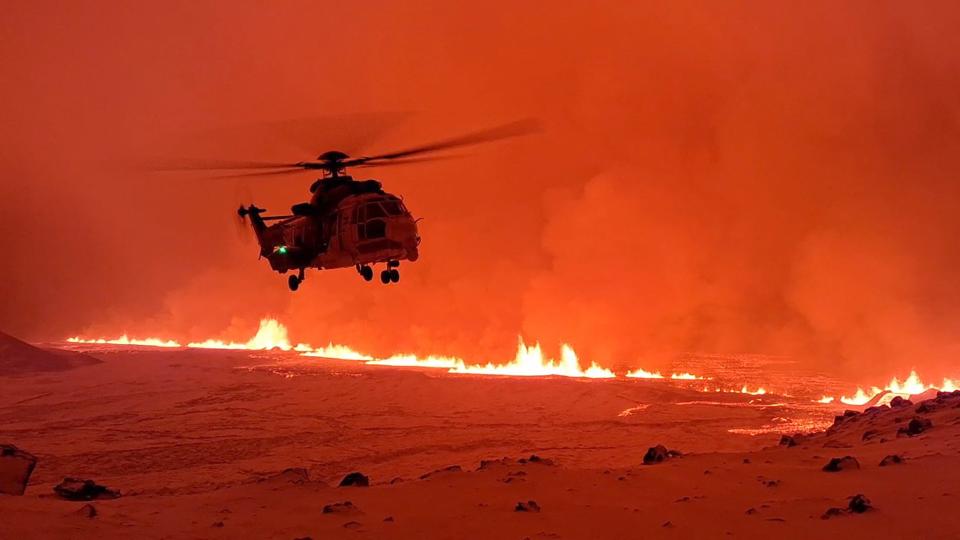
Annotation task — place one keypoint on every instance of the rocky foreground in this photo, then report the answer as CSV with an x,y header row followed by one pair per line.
x,y
889,471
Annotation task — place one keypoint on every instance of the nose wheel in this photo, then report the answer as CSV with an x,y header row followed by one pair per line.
x,y
389,276
294,281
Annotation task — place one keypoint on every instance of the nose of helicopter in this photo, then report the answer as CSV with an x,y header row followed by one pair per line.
x,y
404,230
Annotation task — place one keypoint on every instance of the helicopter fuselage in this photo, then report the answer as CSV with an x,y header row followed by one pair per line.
x,y
354,229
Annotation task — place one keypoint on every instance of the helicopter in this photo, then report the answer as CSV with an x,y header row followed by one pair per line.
x,y
347,222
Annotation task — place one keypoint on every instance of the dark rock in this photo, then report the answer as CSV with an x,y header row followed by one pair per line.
x,y
926,407
898,402
76,489
450,469
768,482
788,441
869,434
832,512
388,519
345,507
892,459
529,506
876,409
352,525
658,453
746,461
842,418
536,459
836,444
667,524
842,464
750,511
217,524
859,504
16,466
489,463
293,475
514,476
916,426
355,479
88,511
655,454
948,395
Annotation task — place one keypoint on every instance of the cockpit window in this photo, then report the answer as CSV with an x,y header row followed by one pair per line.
x,y
376,228
392,208
374,211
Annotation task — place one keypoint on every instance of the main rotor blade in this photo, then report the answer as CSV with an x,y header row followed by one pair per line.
x,y
513,129
218,164
407,161
266,173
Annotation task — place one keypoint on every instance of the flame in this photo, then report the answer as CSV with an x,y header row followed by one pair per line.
x,y
270,335
530,362
685,377
411,360
641,373
124,340
758,392
338,352
912,385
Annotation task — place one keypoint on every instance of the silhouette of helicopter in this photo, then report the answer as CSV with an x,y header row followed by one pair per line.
x,y
347,222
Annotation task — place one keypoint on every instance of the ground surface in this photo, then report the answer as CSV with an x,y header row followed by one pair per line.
x,y
197,442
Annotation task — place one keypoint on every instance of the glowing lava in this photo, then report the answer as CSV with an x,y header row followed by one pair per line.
x,y
685,377
641,373
912,385
412,360
337,352
124,340
530,362
758,392
270,335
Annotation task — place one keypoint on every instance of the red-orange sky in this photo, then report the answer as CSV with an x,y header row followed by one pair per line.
x,y
712,176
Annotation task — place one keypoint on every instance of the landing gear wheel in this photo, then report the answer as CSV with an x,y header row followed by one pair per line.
x,y
366,272
385,277
395,275
293,282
